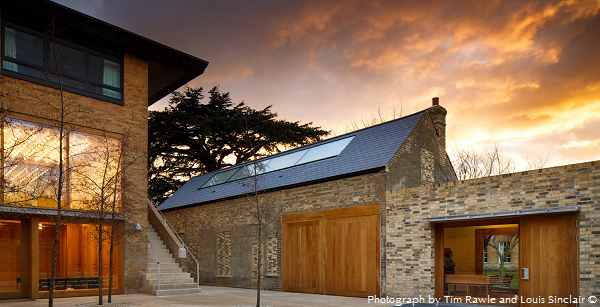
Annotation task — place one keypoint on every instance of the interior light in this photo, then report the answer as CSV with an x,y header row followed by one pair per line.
x,y
40,226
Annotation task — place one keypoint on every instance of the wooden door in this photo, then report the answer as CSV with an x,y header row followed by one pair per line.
x,y
302,257
550,251
352,256
332,252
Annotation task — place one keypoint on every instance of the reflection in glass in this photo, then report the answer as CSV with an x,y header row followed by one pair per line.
x,y
220,177
325,151
249,170
31,156
94,168
284,161
22,46
30,164
485,260
66,60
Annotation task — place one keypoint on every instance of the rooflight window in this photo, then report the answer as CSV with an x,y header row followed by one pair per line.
x,y
284,161
248,170
220,177
325,151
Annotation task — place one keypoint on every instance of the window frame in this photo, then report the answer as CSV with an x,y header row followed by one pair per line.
x,y
46,75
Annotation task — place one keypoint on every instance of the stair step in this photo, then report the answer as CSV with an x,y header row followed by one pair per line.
x,y
190,285
166,275
165,281
164,270
176,292
166,265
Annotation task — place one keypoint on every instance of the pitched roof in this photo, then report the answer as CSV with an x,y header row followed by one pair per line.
x,y
370,149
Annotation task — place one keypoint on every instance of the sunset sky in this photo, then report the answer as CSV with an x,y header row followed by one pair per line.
x,y
525,74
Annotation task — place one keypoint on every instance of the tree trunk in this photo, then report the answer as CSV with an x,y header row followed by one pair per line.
x,y
100,262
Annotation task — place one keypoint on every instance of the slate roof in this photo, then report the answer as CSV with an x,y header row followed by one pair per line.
x,y
370,149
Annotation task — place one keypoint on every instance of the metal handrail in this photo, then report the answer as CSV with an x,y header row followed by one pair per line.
x,y
166,223
157,262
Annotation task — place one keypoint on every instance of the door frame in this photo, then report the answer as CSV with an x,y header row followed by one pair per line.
x,y
439,244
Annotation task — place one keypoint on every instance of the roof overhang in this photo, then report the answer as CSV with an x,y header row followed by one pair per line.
x,y
18,211
168,69
516,213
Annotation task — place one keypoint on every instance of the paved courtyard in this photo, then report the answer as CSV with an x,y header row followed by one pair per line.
x,y
210,296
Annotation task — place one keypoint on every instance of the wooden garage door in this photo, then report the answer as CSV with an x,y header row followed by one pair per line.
x,y
332,252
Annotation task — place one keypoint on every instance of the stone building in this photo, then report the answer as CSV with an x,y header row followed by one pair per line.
x,y
375,212
324,197
110,76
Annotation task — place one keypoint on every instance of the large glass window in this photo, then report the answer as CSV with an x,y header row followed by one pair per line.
x,y
87,69
31,155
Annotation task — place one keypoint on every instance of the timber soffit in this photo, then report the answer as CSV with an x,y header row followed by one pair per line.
x,y
370,149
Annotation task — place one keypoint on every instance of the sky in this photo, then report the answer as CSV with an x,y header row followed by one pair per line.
x,y
522,74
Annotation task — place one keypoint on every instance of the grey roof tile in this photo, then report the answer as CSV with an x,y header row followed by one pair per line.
x,y
371,148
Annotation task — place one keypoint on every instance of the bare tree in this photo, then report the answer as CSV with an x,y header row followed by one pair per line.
x,y
469,163
377,117
494,241
264,210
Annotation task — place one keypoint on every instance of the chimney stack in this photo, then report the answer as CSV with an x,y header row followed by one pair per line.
x,y
438,115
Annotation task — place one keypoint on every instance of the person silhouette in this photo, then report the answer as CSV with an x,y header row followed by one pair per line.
x,y
449,265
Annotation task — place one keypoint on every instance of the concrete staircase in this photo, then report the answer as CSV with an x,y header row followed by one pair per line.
x,y
172,279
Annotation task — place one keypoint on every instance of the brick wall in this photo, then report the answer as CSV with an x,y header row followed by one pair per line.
x,y
202,224
410,250
33,102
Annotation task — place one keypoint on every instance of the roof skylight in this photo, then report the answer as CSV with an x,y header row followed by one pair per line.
x,y
320,152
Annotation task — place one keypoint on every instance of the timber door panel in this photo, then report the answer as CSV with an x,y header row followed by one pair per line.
x,y
549,249
352,256
332,252
302,257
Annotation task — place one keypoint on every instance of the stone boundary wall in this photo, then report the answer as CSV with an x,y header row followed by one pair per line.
x,y
410,242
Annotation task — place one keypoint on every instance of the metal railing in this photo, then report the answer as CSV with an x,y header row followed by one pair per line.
x,y
168,226
157,262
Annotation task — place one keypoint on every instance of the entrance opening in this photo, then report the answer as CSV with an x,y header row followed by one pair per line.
x,y
481,261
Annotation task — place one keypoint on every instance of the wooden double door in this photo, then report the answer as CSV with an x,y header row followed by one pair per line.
x,y
332,252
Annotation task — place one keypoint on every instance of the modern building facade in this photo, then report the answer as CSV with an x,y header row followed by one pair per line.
x,y
109,77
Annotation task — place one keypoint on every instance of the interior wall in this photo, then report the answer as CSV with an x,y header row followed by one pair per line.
x,y
462,242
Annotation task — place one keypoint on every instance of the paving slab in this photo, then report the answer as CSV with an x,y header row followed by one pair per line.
x,y
210,296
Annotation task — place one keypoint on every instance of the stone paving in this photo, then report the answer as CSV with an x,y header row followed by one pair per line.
x,y
210,296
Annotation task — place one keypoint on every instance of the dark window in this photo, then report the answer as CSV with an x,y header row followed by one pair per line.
x,y
93,70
